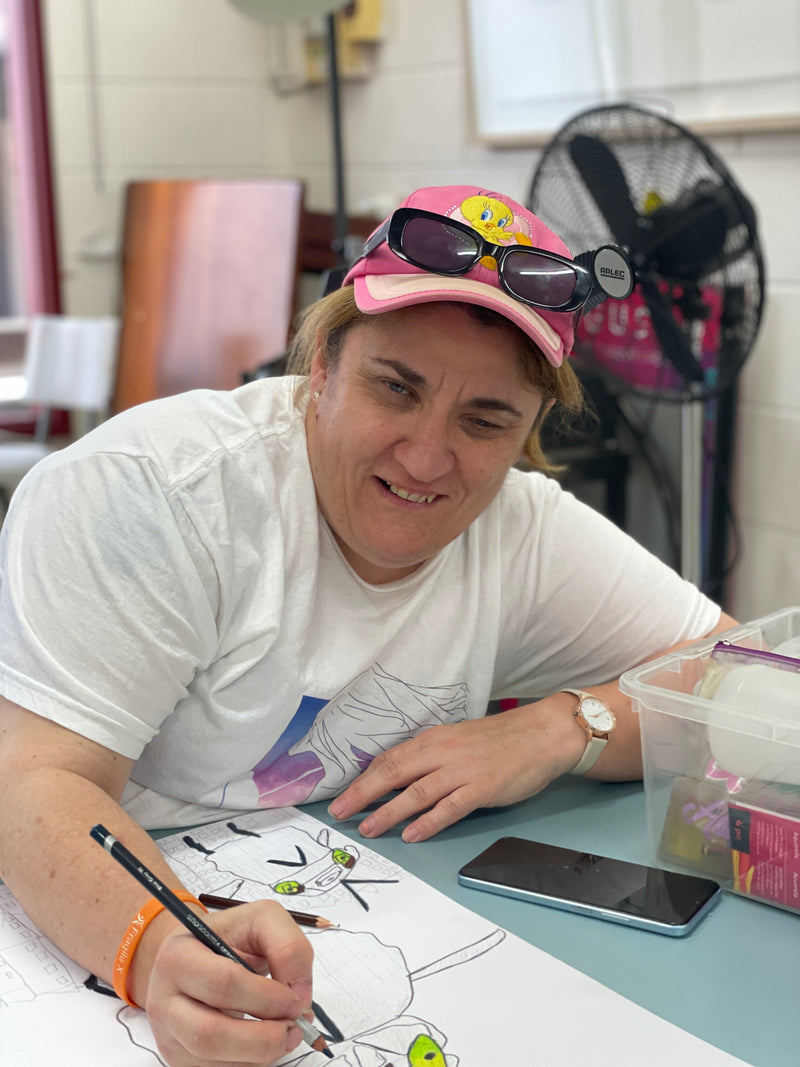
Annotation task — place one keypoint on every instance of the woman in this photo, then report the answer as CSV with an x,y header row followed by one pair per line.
x,y
311,588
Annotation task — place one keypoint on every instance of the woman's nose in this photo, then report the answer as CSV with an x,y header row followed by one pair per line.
x,y
426,452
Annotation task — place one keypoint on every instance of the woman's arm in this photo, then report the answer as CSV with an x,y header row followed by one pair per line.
x,y
54,786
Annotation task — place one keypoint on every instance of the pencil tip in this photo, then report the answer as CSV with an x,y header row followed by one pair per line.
x,y
320,1045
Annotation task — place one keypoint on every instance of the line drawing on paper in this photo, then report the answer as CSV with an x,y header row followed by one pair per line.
x,y
369,989
317,866
30,966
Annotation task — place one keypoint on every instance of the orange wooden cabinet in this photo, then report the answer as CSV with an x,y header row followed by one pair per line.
x,y
209,283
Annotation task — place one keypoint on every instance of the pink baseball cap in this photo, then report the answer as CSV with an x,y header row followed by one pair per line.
x,y
382,281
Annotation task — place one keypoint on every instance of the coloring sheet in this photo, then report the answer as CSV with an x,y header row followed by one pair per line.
x,y
408,978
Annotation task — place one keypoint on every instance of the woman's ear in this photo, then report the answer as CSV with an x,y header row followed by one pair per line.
x,y
318,373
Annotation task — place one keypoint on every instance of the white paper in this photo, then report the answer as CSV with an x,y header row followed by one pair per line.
x,y
408,979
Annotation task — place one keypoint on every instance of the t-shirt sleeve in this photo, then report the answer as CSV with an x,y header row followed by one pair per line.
x,y
107,598
582,600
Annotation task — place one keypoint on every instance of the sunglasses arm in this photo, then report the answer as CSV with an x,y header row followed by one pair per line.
x,y
377,237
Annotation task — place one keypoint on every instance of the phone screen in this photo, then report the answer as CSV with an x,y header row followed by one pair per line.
x,y
625,892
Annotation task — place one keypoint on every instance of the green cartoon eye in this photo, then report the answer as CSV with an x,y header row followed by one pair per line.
x,y
288,889
341,857
424,1052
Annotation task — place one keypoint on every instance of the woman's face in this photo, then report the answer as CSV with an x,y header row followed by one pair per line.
x,y
413,433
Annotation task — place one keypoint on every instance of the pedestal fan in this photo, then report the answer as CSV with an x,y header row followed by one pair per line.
x,y
623,174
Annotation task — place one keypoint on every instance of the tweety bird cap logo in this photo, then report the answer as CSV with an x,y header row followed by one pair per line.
x,y
493,219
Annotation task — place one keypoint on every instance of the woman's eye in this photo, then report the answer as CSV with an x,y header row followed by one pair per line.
x,y
396,387
484,424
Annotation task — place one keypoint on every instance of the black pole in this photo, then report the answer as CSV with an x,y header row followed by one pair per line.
x,y
340,228
721,508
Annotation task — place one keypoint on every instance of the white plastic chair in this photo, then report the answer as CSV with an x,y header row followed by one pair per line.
x,y
70,364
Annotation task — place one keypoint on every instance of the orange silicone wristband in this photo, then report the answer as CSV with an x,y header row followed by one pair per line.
x,y
132,936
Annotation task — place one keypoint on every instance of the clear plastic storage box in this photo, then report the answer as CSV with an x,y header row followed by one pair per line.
x,y
721,746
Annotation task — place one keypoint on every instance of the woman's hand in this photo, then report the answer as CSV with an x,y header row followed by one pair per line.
x,y
448,771
196,1000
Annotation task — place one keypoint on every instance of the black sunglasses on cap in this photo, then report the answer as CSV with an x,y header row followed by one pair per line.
x,y
533,276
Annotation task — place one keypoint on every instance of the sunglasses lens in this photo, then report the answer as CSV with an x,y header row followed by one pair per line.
x,y
436,246
539,279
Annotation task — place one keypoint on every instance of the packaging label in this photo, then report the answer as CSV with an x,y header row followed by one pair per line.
x,y
766,854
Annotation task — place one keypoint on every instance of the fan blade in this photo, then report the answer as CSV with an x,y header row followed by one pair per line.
x,y
687,237
670,336
604,178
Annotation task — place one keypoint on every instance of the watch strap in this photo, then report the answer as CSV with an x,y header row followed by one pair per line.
x,y
591,754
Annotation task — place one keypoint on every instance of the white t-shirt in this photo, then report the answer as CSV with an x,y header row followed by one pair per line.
x,y
169,589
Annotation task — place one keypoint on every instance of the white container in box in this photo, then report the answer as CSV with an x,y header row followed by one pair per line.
x,y
722,774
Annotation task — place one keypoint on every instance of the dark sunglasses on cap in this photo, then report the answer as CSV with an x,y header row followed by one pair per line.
x,y
533,276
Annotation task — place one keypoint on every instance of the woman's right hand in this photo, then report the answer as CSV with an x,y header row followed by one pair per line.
x,y
196,1000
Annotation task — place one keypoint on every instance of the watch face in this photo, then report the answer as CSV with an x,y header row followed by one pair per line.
x,y
598,715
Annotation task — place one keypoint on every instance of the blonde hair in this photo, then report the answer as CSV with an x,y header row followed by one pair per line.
x,y
325,324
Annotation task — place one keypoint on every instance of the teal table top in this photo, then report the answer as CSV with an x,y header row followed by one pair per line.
x,y
734,981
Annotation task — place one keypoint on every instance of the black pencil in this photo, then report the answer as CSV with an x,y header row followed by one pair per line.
x,y
301,917
191,921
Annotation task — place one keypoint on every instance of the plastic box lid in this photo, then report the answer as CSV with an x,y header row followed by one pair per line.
x,y
666,685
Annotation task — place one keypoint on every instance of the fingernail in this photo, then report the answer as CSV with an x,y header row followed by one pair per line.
x,y
302,988
367,828
293,1039
335,808
410,834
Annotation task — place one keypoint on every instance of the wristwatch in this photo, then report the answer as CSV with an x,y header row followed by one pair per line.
x,y
597,719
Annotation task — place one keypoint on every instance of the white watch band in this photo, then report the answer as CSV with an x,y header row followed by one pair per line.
x,y
594,745
591,754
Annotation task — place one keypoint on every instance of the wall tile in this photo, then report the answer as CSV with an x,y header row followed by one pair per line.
x,y
771,374
71,134
145,38
772,186
64,39
767,466
422,34
228,44
93,291
768,575
90,227
426,114
301,126
87,211
165,124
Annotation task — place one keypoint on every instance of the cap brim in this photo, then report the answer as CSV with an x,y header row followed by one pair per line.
x,y
384,292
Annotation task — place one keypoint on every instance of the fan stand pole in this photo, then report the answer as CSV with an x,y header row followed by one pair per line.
x,y
692,490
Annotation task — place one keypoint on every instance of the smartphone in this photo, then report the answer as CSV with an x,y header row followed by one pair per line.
x,y
629,893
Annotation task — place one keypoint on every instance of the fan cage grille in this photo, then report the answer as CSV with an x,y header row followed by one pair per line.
x,y
667,171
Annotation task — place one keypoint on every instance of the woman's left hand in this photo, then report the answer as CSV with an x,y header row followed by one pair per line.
x,y
448,771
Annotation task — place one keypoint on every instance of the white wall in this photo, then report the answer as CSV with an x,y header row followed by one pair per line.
x,y
182,90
